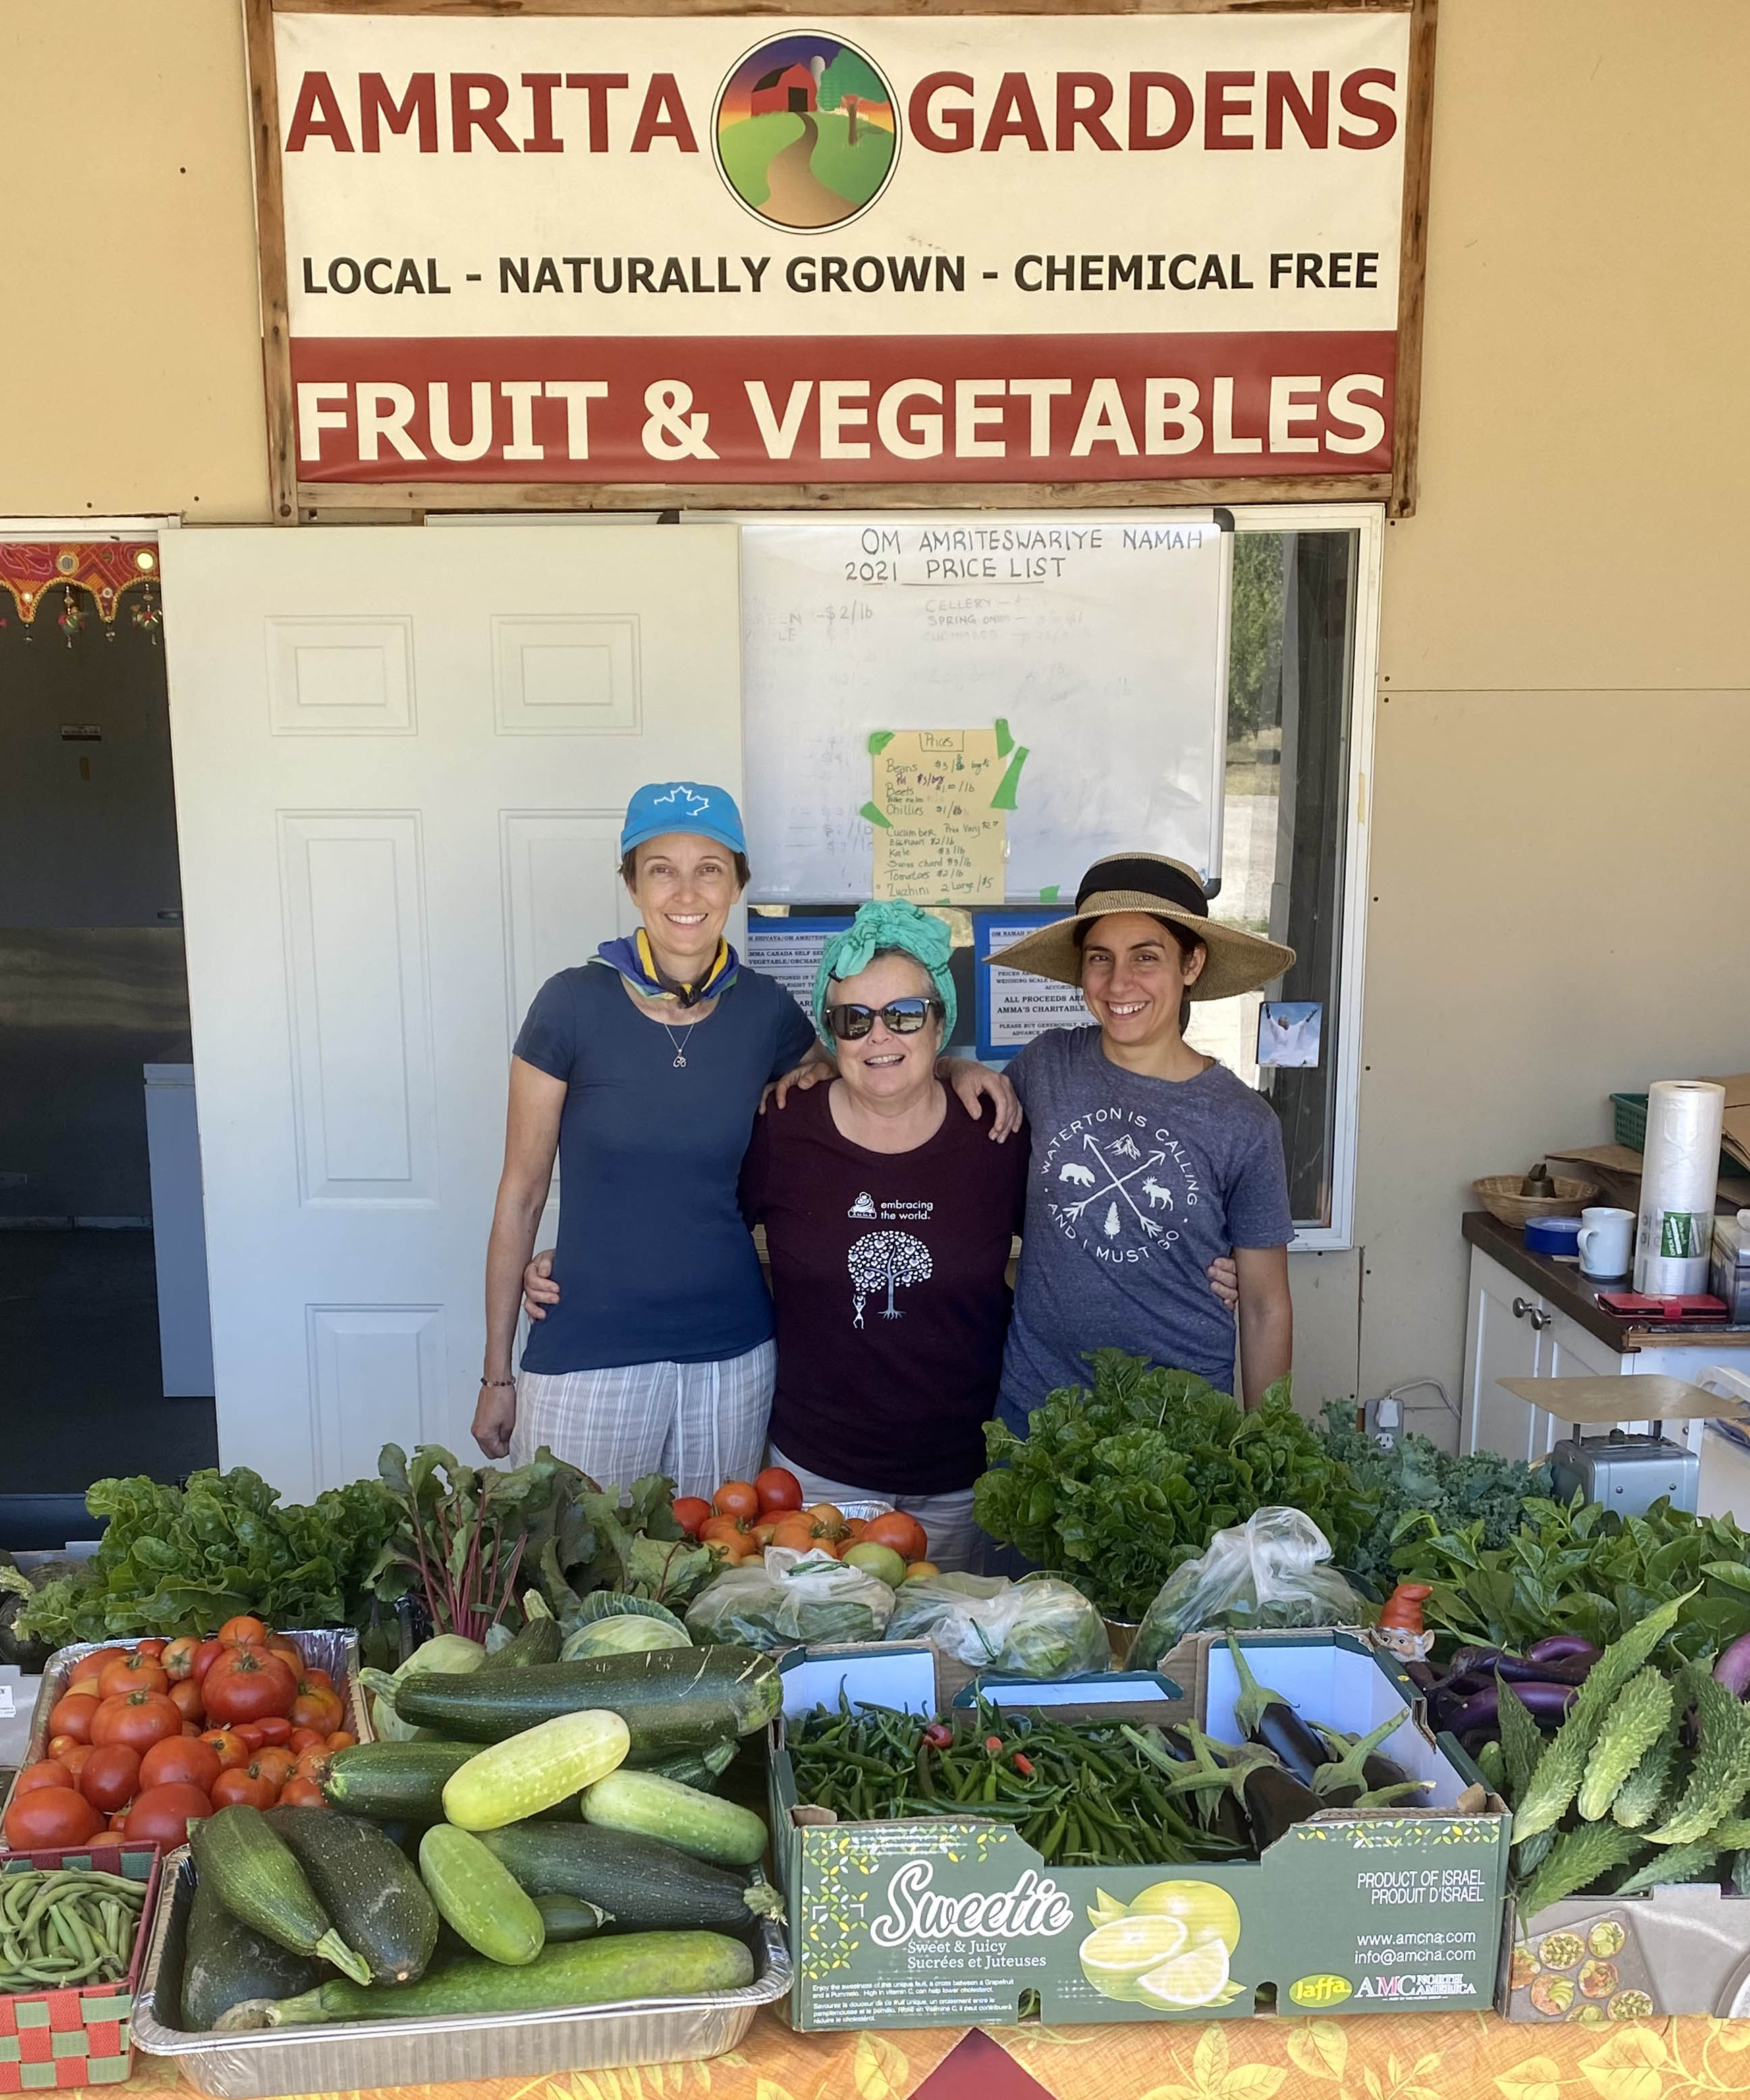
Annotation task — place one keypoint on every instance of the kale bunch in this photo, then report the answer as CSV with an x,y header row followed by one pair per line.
x,y
1113,1488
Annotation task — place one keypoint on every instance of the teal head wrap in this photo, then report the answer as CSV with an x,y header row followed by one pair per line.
x,y
895,926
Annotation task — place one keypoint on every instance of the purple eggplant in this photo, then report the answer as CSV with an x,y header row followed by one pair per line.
x,y
1545,1701
1468,1659
1733,1668
1563,1648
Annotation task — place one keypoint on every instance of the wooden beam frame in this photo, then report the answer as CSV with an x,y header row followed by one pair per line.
x,y
291,499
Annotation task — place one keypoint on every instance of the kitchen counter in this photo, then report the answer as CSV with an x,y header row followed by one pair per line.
x,y
1566,1290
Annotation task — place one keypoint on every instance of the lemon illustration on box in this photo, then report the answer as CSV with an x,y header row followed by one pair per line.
x,y
807,132
1170,1948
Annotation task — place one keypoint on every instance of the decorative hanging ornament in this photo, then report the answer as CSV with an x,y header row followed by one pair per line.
x,y
72,615
147,611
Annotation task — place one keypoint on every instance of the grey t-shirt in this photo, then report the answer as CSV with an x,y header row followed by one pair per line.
x,y
1136,1185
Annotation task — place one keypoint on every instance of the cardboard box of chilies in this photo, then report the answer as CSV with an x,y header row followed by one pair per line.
x,y
938,1921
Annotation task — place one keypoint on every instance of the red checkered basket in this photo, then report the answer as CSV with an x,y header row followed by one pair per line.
x,y
78,2038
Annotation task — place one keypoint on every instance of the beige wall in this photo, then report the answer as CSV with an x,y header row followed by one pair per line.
x,y
1562,798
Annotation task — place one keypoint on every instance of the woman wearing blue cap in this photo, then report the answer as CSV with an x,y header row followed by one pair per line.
x,y
643,1071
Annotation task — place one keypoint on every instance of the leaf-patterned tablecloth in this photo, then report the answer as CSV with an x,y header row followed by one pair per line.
x,y
1445,2057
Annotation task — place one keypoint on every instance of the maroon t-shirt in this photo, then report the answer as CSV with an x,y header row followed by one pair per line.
x,y
887,1272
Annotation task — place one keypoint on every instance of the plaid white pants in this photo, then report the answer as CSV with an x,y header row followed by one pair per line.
x,y
700,1423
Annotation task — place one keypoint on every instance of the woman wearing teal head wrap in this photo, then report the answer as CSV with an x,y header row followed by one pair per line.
x,y
887,929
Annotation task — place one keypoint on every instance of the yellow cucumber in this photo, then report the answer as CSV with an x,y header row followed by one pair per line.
x,y
519,1777
477,1898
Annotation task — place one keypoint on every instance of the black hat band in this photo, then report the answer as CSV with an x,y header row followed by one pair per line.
x,y
1146,878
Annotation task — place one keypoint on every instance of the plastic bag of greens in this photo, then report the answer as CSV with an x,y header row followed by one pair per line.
x,y
788,1598
1036,1627
1269,1571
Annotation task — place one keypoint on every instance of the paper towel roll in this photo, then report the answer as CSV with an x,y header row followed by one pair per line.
x,y
1675,1232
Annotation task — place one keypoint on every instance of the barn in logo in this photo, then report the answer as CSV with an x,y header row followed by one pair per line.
x,y
806,131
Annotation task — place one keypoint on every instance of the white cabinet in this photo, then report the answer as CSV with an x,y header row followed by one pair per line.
x,y
1513,1331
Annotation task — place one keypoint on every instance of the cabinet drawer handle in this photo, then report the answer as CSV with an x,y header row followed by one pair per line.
x,y
1539,1318
1521,1307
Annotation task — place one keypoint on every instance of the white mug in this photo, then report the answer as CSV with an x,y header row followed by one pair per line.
x,y
1607,1241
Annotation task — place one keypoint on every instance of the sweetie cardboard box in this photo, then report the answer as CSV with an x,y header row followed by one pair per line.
x,y
940,1922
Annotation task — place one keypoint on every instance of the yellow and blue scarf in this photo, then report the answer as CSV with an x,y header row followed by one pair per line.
x,y
637,964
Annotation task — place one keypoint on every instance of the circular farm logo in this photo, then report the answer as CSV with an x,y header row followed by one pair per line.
x,y
806,131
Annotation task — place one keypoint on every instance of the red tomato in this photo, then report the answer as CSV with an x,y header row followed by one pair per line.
x,y
94,1664
247,1684
59,1745
299,1792
244,1631
288,1651
275,1727
276,1763
903,1533
178,1761
74,1761
46,1771
110,1777
306,1739
739,1498
317,1680
317,1710
311,1763
233,1788
118,1821
135,1673
343,1739
794,1531
154,1648
184,1695
50,1815
162,1815
205,1656
251,1736
228,1747
778,1488
73,1715
191,1730
721,1531
177,1658
690,1512
829,1521
139,1720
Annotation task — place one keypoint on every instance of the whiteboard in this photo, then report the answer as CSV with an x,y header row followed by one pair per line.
x,y
1098,638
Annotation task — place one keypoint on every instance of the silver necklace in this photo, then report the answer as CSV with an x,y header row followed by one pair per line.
x,y
680,1047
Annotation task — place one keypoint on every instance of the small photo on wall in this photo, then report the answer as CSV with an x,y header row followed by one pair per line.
x,y
1288,1032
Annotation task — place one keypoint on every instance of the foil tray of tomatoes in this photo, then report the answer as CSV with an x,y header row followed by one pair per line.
x,y
233,1751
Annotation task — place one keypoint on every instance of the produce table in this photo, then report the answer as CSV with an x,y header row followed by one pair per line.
x,y
1441,2056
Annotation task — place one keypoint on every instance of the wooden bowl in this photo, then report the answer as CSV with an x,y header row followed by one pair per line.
x,y
1501,1198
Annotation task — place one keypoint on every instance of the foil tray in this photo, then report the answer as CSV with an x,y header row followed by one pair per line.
x,y
351,2055
332,1648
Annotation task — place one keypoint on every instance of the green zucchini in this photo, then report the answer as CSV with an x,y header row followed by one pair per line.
x,y
479,1897
225,1963
591,1972
703,1769
364,1883
395,1782
673,1700
253,1872
519,1777
568,1917
539,1641
644,1805
643,1886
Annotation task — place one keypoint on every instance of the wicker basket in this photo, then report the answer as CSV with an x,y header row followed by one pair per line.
x,y
1501,1198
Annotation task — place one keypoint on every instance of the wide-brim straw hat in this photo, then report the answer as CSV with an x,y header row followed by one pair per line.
x,y
1237,961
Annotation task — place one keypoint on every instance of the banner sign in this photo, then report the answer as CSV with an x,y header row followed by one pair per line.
x,y
720,251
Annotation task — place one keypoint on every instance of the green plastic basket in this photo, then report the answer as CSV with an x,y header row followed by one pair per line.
x,y
1631,1128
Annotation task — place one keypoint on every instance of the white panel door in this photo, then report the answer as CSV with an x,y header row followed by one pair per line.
x,y
401,759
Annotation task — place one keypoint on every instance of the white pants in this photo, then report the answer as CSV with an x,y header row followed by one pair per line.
x,y
947,1520
700,1423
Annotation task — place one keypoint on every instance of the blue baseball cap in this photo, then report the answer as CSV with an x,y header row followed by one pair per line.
x,y
661,806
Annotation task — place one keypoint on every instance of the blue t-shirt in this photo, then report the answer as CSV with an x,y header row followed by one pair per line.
x,y
1134,1186
654,1262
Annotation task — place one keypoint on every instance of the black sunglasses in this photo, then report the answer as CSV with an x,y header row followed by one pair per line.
x,y
903,1017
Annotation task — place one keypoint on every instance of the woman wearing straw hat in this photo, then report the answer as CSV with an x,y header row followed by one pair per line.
x,y
642,1070
1149,1161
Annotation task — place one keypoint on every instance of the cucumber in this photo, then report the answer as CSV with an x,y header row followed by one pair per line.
x,y
539,1641
673,1700
592,1972
395,1782
254,1874
528,1772
364,1881
643,1886
479,1897
568,1917
224,1963
644,1805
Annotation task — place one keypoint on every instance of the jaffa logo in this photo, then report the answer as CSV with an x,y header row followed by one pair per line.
x,y
807,132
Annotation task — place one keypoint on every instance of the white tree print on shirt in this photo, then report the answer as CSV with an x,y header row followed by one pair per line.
x,y
893,1260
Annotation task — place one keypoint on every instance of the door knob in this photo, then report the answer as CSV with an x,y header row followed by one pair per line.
x,y
1521,1307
